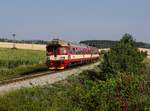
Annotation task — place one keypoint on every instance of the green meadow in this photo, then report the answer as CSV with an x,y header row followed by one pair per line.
x,y
17,62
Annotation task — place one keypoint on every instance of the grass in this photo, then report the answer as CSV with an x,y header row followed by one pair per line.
x,y
45,98
79,93
17,62
147,69
75,94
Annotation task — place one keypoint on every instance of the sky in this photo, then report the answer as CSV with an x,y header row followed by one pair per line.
x,y
75,20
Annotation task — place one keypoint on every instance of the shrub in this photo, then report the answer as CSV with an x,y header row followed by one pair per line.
x,y
119,93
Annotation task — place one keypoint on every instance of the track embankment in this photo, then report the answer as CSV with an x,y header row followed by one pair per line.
x,y
43,79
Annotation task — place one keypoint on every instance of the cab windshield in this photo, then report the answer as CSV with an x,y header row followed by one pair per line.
x,y
52,50
56,50
62,50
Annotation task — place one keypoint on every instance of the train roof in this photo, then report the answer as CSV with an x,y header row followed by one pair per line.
x,y
58,42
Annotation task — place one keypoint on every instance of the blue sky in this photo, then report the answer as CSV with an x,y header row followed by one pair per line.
x,y
75,20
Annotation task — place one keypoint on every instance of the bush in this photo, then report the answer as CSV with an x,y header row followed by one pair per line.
x,y
120,93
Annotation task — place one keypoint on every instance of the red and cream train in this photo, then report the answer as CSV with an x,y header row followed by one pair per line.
x,y
61,54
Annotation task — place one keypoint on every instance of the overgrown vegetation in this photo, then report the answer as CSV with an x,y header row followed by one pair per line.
x,y
114,88
15,62
81,94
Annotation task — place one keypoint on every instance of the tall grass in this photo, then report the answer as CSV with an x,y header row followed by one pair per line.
x,y
15,62
11,58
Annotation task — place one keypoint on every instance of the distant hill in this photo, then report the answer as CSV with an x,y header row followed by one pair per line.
x,y
110,43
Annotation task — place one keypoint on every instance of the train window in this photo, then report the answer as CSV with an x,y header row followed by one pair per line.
x,y
49,50
79,51
73,50
63,50
52,50
76,51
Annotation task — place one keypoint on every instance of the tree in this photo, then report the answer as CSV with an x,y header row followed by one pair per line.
x,y
123,57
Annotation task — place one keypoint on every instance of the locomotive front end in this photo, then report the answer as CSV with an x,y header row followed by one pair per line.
x,y
57,56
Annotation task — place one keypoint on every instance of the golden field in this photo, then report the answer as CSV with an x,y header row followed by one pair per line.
x,y
141,49
147,50
23,46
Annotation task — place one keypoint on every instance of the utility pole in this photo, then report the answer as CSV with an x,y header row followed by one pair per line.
x,y
14,35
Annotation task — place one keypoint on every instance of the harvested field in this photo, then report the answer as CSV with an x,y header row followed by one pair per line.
x,y
141,49
147,50
23,46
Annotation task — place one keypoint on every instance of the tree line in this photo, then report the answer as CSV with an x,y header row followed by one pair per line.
x,y
24,41
110,43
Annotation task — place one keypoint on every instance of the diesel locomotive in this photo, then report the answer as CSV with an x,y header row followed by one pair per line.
x,y
62,54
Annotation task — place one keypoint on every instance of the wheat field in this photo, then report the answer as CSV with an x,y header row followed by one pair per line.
x,y
23,46
141,49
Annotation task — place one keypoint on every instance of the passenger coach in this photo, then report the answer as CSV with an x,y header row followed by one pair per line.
x,y
62,54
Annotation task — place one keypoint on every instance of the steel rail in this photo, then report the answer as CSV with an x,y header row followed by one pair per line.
x,y
35,75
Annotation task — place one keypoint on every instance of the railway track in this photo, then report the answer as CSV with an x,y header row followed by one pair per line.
x,y
30,76
41,78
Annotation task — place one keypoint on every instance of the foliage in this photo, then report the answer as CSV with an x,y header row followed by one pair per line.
x,y
123,57
124,92
118,93
146,72
6,73
102,52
